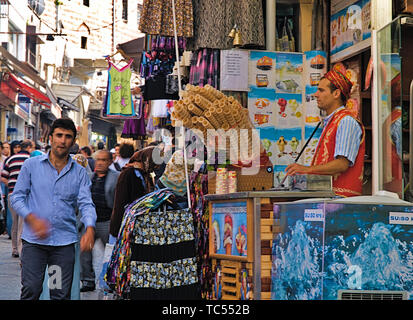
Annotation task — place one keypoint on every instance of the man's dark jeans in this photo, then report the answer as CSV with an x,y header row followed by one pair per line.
x,y
59,260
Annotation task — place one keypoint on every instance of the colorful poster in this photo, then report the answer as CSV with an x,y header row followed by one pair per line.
x,y
350,25
261,106
267,136
289,110
311,110
229,228
289,69
279,175
309,151
288,145
262,69
315,66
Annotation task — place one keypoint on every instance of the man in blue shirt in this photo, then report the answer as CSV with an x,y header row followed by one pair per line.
x,y
49,189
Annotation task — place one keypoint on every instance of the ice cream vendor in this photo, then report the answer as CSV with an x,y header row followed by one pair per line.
x,y
341,147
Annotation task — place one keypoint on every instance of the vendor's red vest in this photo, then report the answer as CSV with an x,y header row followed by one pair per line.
x,y
348,183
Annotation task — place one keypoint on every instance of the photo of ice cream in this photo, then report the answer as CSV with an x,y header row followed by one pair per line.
x,y
229,220
215,236
227,240
241,240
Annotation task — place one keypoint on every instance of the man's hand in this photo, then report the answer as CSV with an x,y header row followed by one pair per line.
x,y
40,227
88,240
296,168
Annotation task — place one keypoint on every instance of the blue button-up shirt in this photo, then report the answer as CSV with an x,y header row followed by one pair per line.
x,y
53,196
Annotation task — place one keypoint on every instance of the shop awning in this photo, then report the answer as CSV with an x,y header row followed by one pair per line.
x,y
26,90
67,105
133,49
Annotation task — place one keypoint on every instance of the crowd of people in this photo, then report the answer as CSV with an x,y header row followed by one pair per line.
x,y
56,195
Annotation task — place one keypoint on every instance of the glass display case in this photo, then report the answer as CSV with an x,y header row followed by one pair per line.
x,y
394,77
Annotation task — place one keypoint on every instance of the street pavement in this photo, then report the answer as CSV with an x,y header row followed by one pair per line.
x,y
10,273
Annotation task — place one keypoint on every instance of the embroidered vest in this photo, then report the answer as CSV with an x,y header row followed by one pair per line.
x,y
348,183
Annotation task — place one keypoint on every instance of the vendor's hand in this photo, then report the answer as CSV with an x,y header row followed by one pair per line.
x,y
296,168
88,240
40,227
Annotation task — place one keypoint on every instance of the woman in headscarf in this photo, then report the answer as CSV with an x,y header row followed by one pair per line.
x,y
134,182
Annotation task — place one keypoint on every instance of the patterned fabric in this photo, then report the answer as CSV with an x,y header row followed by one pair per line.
x,y
174,174
340,81
157,18
214,19
348,183
164,228
163,275
204,68
200,211
117,274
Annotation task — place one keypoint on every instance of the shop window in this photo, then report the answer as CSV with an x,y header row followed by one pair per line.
x,y
287,24
125,10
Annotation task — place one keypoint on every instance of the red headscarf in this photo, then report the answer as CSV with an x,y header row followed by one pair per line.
x,y
340,81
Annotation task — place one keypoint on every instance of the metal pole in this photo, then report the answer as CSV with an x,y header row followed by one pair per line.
x,y
180,92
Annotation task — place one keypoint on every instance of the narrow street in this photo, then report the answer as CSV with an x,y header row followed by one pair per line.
x,y
10,274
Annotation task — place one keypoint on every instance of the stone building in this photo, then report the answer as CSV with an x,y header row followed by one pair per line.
x,y
64,43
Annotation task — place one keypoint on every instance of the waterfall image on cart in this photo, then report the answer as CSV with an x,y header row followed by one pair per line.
x,y
368,254
296,268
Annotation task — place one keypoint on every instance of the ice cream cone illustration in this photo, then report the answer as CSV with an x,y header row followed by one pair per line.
x,y
294,144
228,234
281,144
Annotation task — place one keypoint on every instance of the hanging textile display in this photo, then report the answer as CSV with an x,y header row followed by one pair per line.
x,y
135,128
118,101
214,19
154,255
200,211
156,18
205,68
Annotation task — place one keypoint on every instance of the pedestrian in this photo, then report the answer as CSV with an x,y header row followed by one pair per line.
x,y
340,150
5,152
87,153
103,192
49,190
126,151
35,150
10,173
134,181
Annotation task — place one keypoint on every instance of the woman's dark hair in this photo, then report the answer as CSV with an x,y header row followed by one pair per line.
x,y
64,123
14,144
87,150
126,150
